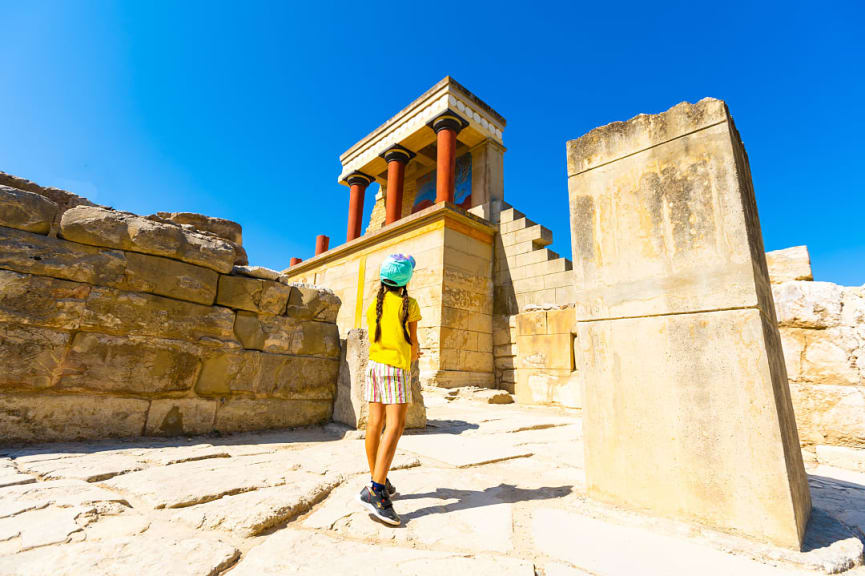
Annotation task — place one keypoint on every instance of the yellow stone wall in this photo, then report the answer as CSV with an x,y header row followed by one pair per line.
x,y
452,283
545,366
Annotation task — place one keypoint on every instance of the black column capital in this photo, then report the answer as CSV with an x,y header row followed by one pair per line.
x,y
398,153
358,178
448,120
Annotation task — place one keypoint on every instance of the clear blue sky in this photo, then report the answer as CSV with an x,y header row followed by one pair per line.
x,y
240,110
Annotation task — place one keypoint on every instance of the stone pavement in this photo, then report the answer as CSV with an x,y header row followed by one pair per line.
x,y
495,489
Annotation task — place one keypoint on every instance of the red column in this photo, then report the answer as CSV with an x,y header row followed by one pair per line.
x,y
397,157
357,182
321,244
294,262
446,126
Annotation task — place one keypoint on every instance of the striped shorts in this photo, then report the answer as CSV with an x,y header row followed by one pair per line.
x,y
387,384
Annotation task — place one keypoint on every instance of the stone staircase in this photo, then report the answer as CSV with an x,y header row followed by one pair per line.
x,y
526,268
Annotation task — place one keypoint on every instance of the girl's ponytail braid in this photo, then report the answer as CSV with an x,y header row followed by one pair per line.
x,y
405,315
378,307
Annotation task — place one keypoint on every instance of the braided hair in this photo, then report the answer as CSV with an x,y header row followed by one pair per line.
x,y
379,303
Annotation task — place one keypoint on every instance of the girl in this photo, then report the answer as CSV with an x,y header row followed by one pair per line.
x,y
392,322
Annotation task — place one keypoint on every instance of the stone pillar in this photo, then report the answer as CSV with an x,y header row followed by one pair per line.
x,y
294,261
487,180
687,409
321,244
446,125
357,182
397,157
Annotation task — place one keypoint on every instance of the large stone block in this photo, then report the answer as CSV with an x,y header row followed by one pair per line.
x,y
112,229
297,377
46,256
789,264
118,312
31,356
663,218
548,386
808,304
690,416
166,277
43,418
26,210
226,371
286,335
312,303
245,414
253,294
180,416
41,301
129,364
221,227
829,414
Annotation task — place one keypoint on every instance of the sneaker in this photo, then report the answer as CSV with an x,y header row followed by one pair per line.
x,y
391,489
379,506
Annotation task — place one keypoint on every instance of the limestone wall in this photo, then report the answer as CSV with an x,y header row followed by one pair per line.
x,y
823,335
113,324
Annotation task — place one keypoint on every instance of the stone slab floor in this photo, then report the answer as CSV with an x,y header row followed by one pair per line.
x,y
486,489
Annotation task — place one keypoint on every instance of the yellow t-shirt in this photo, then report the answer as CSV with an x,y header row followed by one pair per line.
x,y
392,348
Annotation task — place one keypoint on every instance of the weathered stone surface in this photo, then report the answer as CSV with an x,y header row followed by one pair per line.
x,y
30,356
57,493
92,467
286,335
455,451
660,420
842,457
26,211
180,416
226,371
37,528
191,483
111,229
171,278
853,306
830,357
251,513
256,272
252,294
129,364
297,377
679,217
50,418
245,414
145,555
223,228
41,301
312,303
829,414
11,476
295,552
807,304
789,264
121,313
44,256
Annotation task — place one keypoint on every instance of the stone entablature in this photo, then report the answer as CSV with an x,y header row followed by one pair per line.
x,y
452,283
410,125
113,324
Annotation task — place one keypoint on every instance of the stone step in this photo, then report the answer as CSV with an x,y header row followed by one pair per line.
x,y
515,225
510,214
535,256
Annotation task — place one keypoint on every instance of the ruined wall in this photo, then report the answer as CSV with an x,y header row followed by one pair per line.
x,y
823,335
113,324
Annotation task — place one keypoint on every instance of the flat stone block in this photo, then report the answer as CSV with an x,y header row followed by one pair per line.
x,y
180,416
47,418
245,414
118,312
44,256
548,386
670,228
664,406
553,351
531,323
808,304
286,335
789,264
227,371
171,278
129,364
112,229
828,414
31,356
26,211
297,377
253,294
41,301
562,321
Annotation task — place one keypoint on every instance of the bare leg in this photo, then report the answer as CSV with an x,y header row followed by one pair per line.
x,y
395,424
374,423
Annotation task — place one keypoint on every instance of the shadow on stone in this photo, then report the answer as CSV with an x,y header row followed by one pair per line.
x,y
445,427
466,499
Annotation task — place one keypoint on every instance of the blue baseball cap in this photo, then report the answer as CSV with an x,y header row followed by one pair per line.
x,y
396,270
